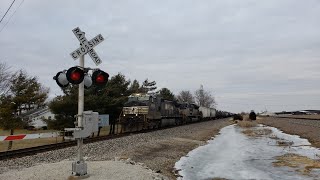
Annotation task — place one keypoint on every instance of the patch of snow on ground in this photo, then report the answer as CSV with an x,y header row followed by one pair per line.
x,y
233,155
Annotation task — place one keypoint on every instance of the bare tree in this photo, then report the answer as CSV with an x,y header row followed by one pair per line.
x,y
204,98
5,77
185,96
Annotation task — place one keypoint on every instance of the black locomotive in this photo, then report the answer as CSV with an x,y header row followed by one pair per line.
x,y
145,111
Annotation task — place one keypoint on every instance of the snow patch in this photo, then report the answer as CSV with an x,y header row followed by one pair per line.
x,y
233,155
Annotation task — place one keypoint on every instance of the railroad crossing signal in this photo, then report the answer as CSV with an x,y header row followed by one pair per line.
x,y
79,75
76,75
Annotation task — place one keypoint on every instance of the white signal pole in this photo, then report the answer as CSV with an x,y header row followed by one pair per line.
x,y
80,111
79,168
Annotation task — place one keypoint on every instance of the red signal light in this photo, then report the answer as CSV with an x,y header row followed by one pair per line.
x,y
100,78
75,75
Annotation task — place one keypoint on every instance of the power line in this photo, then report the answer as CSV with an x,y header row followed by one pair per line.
x,y
11,16
7,11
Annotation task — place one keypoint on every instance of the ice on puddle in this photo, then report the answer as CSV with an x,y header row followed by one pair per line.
x,y
233,155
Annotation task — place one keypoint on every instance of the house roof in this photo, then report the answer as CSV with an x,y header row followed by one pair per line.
x,y
37,112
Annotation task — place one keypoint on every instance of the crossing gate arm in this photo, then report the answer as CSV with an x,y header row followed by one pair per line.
x,y
28,136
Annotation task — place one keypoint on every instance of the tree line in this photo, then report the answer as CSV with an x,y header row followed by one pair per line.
x,y
21,94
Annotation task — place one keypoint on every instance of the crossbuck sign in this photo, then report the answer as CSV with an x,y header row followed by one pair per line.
x,y
86,46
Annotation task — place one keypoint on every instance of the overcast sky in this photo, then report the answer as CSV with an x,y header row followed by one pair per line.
x,y
249,54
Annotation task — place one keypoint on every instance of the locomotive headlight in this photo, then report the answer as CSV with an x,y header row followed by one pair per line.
x,y
124,115
136,114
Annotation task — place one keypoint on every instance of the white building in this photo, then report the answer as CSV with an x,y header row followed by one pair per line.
x,y
38,116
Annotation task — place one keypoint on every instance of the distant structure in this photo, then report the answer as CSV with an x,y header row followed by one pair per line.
x,y
36,117
266,113
300,112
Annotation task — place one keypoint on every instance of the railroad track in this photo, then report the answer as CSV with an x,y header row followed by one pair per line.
x,y
38,149
44,148
49,147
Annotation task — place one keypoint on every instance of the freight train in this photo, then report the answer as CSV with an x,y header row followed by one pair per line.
x,y
145,111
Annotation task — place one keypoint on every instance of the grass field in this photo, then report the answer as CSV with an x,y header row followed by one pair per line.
x,y
315,116
20,144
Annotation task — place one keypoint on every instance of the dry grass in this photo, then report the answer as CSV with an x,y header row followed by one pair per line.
x,y
20,144
257,132
284,143
280,141
302,163
315,116
247,124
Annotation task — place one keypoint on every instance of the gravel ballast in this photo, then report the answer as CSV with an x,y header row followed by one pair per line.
x,y
158,150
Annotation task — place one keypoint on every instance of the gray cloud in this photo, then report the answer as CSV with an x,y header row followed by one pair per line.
x,y
250,54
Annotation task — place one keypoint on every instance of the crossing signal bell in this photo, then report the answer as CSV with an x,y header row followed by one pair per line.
x,y
76,75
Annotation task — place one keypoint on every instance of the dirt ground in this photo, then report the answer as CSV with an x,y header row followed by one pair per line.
x,y
312,133
161,156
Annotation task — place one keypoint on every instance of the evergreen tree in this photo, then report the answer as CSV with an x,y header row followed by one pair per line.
x,y
65,108
165,93
8,114
27,92
22,94
148,86
135,87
